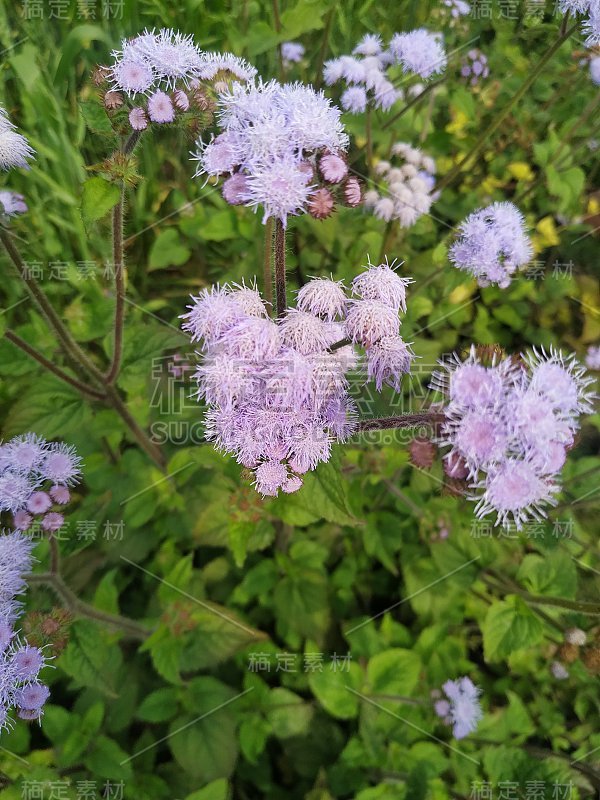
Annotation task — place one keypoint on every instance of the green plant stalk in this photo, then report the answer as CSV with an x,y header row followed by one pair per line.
x,y
69,345
119,268
412,102
485,137
76,354
84,389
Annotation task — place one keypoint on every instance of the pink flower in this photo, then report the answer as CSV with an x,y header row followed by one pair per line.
x,y
235,189
138,119
333,168
53,521
60,494
22,521
39,503
160,108
352,192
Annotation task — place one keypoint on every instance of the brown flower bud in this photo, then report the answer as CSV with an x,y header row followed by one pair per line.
x,y
321,204
568,653
591,659
422,452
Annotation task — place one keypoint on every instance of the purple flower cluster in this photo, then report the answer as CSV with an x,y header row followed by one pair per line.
x,y
408,186
277,392
591,26
162,72
462,708
366,73
34,480
509,426
14,148
20,664
282,148
492,244
475,67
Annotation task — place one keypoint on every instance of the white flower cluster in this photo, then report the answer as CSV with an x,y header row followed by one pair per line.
x,y
408,186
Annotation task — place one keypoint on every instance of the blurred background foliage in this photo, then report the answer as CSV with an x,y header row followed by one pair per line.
x,y
355,563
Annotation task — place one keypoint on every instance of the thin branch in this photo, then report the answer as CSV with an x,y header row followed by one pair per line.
x,y
429,88
404,421
268,262
70,346
83,388
129,627
280,279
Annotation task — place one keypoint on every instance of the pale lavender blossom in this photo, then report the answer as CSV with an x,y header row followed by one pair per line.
x,y
595,70
591,26
354,100
419,51
458,8
277,391
492,244
592,358
160,108
292,53
323,297
270,132
382,282
475,67
14,148
462,710
510,425
12,203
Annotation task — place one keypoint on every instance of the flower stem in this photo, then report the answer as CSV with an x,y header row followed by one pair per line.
x,y
280,288
268,262
85,390
131,628
69,345
403,421
119,268
484,138
429,88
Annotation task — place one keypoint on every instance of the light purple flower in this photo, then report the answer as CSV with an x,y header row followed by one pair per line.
x,y
160,108
464,711
324,298
592,358
354,100
492,244
420,52
138,119
510,425
14,148
382,283
292,52
12,203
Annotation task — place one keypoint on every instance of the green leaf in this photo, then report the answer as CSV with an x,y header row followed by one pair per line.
x,y
95,117
216,790
288,714
90,661
509,625
552,575
302,605
168,251
97,198
330,687
394,671
204,742
159,706
323,496
108,760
